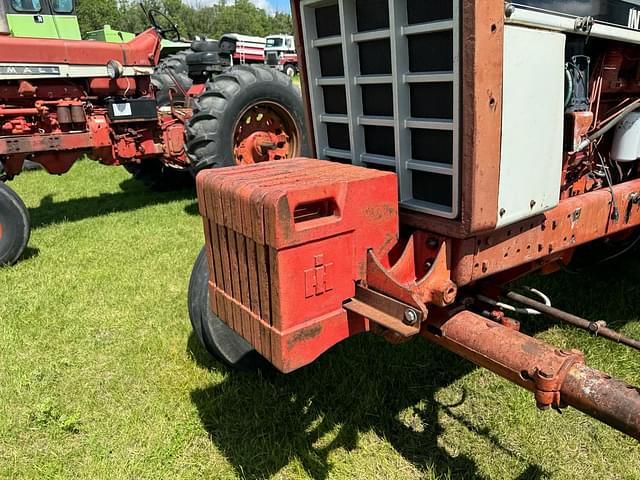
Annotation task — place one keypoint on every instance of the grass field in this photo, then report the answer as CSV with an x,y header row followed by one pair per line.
x,y
101,378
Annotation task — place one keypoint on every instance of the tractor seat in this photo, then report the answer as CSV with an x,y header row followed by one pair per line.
x,y
201,64
204,46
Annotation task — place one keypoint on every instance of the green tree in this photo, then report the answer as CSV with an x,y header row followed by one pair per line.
x,y
281,23
94,14
210,21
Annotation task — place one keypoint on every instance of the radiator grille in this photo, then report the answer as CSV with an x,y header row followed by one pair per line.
x,y
384,85
272,59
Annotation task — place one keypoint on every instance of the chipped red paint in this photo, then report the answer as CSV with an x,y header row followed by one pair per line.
x,y
547,238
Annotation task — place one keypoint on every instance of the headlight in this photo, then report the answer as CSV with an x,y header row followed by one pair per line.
x,y
114,69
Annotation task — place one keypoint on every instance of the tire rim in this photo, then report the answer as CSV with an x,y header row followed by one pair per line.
x,y
265,132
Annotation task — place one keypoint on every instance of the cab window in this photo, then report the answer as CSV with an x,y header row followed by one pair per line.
x,y
31,6
63,6
274,42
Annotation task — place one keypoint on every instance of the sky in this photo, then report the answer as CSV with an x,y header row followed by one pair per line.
x,y
271,6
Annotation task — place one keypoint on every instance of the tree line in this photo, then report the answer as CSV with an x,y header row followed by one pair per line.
x,y
201,20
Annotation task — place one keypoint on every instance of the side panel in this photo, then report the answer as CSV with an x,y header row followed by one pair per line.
x,y
532,123
44,26
68,27
107,34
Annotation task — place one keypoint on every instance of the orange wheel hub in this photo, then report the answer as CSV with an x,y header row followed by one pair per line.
x,y
264,133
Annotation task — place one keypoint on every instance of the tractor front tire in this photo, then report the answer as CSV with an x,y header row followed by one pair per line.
x,y
221,123
15,226
214,335
290,70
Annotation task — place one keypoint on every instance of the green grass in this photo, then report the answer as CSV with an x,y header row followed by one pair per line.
x,y
100,377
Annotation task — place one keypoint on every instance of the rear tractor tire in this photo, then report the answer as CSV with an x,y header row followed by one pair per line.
x,y
153,173
247,115
171,79
15,226
215,336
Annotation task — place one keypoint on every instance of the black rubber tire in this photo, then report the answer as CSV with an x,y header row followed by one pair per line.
x,y
171,73
157,176
216,337
210,130
15,226
29,166
290,70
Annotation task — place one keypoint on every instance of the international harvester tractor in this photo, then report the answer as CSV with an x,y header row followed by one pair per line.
x,y
460,145
116,103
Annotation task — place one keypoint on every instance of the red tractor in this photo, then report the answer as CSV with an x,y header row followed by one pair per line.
x,y
63,99
460,145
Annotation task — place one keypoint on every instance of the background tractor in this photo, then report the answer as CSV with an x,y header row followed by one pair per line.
x,y
119,104
460,145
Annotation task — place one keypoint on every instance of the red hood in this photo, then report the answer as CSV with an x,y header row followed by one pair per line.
x,y
143,50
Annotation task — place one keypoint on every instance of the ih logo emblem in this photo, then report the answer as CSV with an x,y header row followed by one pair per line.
x,y
317,280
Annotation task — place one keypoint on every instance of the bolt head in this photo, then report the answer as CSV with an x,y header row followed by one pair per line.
x,y
410,317
509,10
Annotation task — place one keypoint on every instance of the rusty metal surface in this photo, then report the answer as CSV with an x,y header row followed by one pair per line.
x,y
420,277
302,67
519,358
558,378
264,132
611,401
547,238
482,60
44,143
288,241
385,311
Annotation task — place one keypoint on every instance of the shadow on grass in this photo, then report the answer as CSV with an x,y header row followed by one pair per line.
x,y
134,195
29,253
609,292
264,422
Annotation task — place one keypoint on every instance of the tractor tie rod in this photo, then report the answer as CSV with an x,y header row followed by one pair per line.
x,y
597,328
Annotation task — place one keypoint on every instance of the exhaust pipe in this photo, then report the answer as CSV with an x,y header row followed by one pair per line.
x,y
558,378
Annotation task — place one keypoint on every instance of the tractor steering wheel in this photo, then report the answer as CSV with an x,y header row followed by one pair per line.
x,y
163,31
